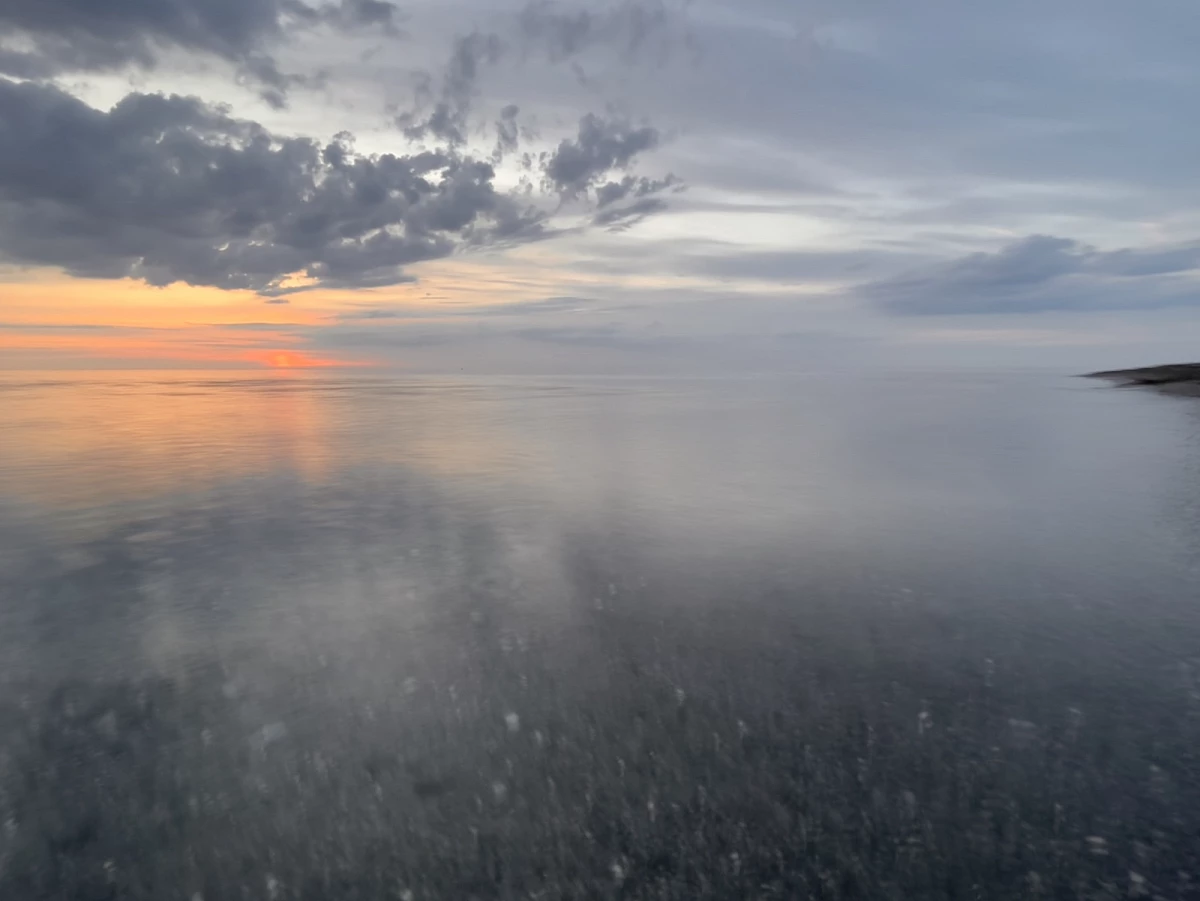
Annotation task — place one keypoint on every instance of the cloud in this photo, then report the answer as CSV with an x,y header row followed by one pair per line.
x,y
53,37
508,133
1042,273
601,146
787,266
564,31
863,152
548,31
616,219
528,308
168,189
350,14
632,186
448,119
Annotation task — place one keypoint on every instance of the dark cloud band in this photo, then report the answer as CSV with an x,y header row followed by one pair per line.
x,y
1042,273
170,189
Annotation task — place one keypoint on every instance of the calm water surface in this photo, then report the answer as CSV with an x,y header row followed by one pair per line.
x,y
310,637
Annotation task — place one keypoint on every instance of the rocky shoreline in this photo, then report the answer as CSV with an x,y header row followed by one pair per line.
x,y
1176,378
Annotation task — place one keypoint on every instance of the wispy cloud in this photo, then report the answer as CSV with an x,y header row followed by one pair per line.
x,y
1041,273
525,308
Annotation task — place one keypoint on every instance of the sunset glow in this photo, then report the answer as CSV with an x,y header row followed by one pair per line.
x,y
240,184
288,359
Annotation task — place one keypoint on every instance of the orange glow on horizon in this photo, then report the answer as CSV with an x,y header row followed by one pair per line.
x,y
290,359
51,320
58,319
198,346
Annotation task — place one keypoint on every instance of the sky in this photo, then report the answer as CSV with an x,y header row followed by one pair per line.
x,y
598,186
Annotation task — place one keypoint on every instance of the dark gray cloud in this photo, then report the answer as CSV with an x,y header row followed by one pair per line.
x,y
564,31
602,146
50,37
555,32
639,198
508,132
623,218
633,187
551,31
1042,273
449,103
170,189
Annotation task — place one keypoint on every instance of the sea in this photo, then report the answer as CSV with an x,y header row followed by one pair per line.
x,y
317,635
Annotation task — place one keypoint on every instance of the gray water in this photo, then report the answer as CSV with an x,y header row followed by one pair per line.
x,y
318,637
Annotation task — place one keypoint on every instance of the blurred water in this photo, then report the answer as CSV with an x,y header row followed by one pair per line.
x,y
295,636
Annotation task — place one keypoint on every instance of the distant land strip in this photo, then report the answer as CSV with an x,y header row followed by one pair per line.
x,y
1174,378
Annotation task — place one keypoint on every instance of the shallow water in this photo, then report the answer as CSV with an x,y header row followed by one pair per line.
x,y
294,636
